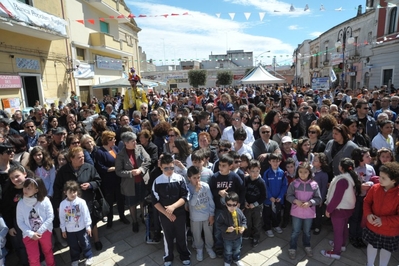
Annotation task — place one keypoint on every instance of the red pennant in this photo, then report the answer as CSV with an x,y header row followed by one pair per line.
x,y
166,15
366,42
174,14
142,16
186,13
131,16
80,21
91,21
111,17
121,16
102,19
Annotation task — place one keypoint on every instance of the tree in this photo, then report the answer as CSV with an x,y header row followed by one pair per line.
x,y
224,78
197,77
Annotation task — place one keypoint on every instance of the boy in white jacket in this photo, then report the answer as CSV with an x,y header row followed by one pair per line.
x,y
75,223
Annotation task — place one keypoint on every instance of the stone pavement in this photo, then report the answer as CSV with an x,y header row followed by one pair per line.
x,y
123,247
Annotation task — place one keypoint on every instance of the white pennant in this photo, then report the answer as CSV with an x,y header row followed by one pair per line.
x,y
338,9
247,15
292,8
306,8
322,8
218,15
261,15
232,15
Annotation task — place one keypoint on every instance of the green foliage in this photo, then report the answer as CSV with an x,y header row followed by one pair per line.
x,y
197,78
224,78
247,71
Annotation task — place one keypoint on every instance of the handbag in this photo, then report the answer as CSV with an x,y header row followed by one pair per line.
x,y
101,207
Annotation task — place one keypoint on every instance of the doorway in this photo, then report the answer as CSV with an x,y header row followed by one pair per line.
x,y
84,94
31,90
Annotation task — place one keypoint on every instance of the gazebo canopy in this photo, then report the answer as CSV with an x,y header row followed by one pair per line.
x,y
259,75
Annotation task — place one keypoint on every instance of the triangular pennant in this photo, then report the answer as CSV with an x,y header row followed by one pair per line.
x,y
247,15
292,8
185,13
166,15
218,15
173,14
232,15
102,19
322,8
91,21
80,21
121,16
142,16
111,17
338,9
131,16
306,8
261,15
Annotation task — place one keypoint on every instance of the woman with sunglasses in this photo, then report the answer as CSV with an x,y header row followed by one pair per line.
x,y
173,133
297,126
184,126
316,145
73,141
255,124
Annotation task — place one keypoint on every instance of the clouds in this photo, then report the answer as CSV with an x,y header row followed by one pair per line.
x,y
196,35
294,27
271,6
315,34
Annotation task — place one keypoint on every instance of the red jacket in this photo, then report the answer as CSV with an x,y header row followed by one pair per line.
x,y
384,204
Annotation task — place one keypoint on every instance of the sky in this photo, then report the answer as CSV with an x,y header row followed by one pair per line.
x,y
207,27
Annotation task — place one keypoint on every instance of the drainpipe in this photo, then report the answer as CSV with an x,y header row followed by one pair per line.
x,y
68,51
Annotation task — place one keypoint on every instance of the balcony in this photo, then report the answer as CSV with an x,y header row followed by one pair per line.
x,y
34,22
395,2
111,8
106,43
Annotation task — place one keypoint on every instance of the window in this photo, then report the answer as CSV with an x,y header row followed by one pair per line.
x,y
80,54
28,2
370,37
387,76
392,20
356,45
104,27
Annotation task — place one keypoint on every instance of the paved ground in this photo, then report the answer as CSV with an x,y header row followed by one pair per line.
x,y
123,247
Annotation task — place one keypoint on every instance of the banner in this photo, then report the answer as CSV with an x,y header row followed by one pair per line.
x,y
84,71
10,82
108,63
16,10
321,83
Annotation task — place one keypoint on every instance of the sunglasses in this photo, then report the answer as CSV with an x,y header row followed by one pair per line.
x,y
256,123
237,161
312,132
29,126
231,205
75,143
265,132
171,168
223,150
9,151
236,119
171,136
153,114
296,117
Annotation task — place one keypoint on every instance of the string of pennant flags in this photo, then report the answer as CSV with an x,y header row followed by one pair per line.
x,y
232,15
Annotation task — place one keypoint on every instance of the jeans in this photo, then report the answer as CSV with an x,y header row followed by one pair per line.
x,y
232,250
79,242
297,225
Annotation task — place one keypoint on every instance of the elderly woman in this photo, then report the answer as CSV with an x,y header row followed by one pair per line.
x,y
150,148
88,145
339,147
204,140
111,183
132,164
327,123
184,126
74,141
173,133
87,177
316,145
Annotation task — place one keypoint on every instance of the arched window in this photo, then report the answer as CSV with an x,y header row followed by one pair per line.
x,y
392,20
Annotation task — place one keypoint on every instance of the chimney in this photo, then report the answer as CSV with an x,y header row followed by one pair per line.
x,y
359,10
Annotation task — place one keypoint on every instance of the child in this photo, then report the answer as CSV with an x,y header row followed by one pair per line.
x,y
232,223
381,231
35,219
255,195
287,152
303,153
320,171
202,212
276,187
341,199
169,194
75,223
62,159
365,172
219,183
198,160
235,167
304,195
223,148
244,164
290,176
384,155
42,165
3,234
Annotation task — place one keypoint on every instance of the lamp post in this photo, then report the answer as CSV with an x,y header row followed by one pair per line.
x,y
297,55
344,33
256,57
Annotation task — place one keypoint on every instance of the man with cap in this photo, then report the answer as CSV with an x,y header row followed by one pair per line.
x,y
111,123
5,127
58,143
134,96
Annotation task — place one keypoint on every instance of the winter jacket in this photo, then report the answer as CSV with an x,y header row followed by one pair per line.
x,y
304,191
225,220
348,200
276,185
345,152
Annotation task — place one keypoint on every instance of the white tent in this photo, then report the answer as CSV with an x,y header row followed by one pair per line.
x,y
124,83
259,75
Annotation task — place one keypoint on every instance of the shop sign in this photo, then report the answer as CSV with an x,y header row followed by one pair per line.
x,y
10,82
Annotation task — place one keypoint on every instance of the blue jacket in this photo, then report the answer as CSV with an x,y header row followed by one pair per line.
x,y
276,185
192,138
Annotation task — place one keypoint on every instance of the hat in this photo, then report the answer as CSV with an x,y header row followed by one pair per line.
x,y
59,130
5,121
112,117
5,147
286,139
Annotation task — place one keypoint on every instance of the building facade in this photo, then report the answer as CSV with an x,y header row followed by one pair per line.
x,y
33,53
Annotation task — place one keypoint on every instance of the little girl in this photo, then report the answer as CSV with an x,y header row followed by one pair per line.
x,y
380,208
365,171
341,199
384,155
35,219
304,195
244,164
303,153
320,170
42,165
62,159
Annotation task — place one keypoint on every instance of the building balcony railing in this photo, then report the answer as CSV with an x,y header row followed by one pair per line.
x,y
105,42
112,8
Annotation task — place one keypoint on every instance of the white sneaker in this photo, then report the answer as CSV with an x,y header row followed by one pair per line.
x,y
186,262
239,263
226,264
75,263
278,230
200,255
89,261
167,263
211,254
343,248
269,233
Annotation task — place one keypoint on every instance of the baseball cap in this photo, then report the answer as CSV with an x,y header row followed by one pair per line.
x,y
59,130
286,139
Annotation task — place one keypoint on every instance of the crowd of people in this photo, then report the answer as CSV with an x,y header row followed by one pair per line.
x,y
227,163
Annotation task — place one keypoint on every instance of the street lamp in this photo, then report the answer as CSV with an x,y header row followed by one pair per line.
x,y
256,57
297,55
341,41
